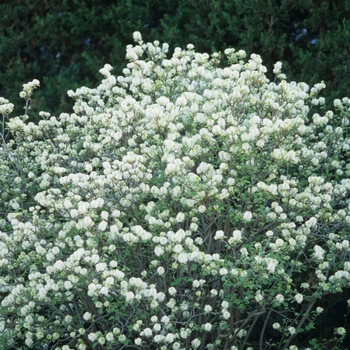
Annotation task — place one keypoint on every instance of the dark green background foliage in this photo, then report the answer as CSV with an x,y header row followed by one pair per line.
x,y
63,43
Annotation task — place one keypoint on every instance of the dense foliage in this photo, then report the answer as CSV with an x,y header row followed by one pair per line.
x,y
64,43
181,206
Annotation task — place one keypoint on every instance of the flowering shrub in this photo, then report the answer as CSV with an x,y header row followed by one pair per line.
x,y
181,206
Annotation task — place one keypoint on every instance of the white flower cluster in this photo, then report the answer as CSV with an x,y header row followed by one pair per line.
x,y
28,89
179,203
5,106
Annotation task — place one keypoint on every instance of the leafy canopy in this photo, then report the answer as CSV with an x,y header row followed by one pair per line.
x,y
181,206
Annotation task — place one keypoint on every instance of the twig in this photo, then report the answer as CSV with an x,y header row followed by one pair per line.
x,y
263,330
302,321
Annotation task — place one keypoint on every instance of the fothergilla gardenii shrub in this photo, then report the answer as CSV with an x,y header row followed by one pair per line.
x,y
182,205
